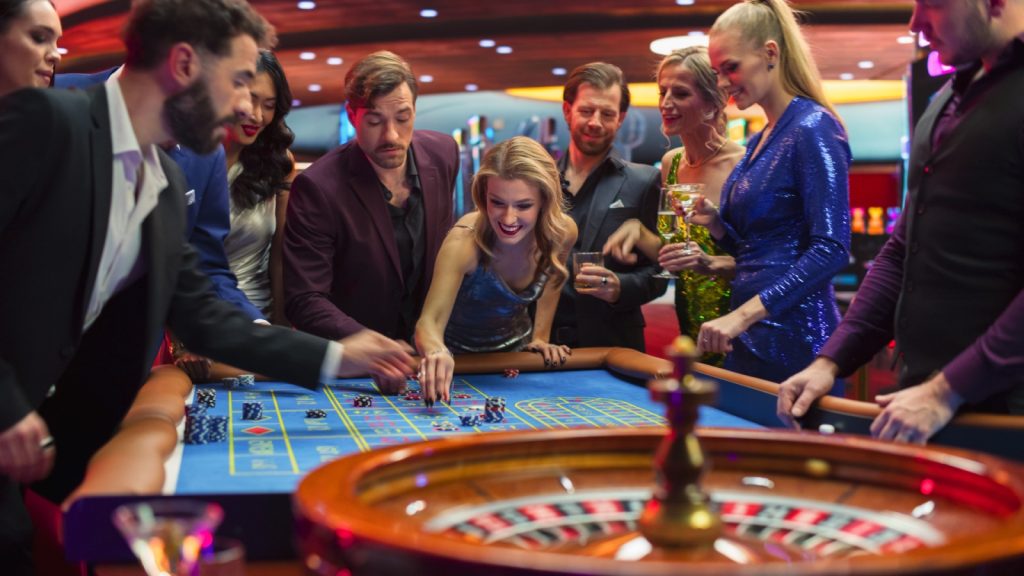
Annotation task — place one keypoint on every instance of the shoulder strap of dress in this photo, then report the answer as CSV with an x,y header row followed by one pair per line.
x,y
466,226
674,169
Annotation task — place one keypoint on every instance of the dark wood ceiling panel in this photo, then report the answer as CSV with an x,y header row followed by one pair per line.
x,y
543,34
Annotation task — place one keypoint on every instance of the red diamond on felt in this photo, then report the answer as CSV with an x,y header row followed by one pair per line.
x,y
257,430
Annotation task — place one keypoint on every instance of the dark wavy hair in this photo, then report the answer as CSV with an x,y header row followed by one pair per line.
x,y
11,9
265,163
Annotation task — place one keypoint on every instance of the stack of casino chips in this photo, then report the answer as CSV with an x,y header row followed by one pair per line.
x,y
494,409
470,418
203,429
246,380
362,401
316,413
252,410
206,397
230,382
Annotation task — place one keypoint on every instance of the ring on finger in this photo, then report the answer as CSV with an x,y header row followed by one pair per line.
x,y
604,281
46,443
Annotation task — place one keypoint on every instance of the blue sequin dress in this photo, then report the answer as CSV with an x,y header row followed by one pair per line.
x,y
787,220
488,316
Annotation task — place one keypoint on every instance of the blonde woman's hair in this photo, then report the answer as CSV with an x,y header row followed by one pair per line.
x,y
695,59
521,158
759,21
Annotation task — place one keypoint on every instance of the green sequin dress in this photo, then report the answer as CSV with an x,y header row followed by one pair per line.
x,y
699,298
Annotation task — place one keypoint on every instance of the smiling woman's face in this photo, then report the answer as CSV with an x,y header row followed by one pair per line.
x,y
28,48
264,100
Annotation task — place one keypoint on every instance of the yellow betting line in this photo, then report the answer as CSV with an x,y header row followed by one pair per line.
x,y
284,433
629,408
526,407
352,429
402,414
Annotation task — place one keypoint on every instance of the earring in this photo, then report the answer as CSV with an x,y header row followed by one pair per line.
x,y
709,115
771,66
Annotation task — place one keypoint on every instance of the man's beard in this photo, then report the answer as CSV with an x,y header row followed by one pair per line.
x,y
192,119
598,148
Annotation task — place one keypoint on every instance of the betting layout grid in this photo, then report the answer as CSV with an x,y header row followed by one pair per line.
x,y
271,454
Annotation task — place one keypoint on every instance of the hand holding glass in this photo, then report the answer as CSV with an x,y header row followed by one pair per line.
x,y
684,196
581,258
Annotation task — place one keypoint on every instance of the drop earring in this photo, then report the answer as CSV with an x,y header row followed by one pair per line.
x,y
771,66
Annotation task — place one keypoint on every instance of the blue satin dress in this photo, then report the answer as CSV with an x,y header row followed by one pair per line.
x,y
488,316
787,220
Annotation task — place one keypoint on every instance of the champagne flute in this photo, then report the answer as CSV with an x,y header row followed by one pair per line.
x,y
167,535
668,223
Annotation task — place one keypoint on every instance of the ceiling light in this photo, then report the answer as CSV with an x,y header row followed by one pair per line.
x,y
908,39
487,43
296,102
428,13
685,2
665,46
426,78
307,5
335,61
472,87
559,71
315,88
503,49
865,64
846,76
307,56
62,50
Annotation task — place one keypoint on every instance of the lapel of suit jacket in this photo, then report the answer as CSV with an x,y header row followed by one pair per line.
x,y
101,148
606,192
926,124
366,186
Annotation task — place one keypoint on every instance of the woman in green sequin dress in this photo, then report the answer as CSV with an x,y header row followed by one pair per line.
x,y
692,108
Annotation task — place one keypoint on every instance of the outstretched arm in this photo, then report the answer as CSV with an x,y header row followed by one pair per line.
x,y
457,258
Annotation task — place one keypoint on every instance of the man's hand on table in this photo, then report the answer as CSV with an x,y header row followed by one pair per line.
x,y
916,413
27,450
369,352
799,391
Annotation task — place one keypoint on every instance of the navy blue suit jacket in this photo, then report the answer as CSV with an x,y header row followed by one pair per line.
x,y
209,213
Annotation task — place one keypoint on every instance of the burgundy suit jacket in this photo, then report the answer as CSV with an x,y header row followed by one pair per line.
x,y
342,271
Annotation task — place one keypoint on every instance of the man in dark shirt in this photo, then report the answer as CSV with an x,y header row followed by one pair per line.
x,y
602,306
949,284
365,221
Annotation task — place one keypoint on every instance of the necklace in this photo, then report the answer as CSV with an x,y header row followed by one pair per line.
x,y
687,163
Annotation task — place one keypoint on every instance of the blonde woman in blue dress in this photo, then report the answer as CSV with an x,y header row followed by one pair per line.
x,y
495,263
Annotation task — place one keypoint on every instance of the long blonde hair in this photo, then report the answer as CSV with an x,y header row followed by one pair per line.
x,y
521,158
759,21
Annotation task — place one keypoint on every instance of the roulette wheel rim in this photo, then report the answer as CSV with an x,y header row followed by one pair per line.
x,y
338,522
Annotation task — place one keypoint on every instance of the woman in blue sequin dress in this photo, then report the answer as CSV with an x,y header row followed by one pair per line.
x,y
495,263
785,207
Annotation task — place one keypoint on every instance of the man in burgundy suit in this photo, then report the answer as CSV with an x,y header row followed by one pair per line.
x,y
365,221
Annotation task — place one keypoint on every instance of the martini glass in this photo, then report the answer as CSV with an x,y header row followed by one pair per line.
x,y
168,535
684,196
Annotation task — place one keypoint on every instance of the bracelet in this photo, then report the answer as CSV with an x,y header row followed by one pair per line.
x,y
440,351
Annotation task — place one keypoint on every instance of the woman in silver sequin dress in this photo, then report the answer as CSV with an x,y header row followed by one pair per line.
x,y
494,263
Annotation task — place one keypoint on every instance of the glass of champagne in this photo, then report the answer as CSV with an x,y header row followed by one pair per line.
x,y
684,196
668,223
167,535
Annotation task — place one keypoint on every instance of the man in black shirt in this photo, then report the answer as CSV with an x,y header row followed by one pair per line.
x,y
602,306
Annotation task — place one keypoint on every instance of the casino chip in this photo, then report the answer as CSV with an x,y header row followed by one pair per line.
x,y
413,395
511,372
445,426
494,409
462,395
203,429
316,413
252,411
362,401
470,418
229,382
247,380
206,397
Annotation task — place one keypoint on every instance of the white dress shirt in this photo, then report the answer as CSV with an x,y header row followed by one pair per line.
x,y
138,179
